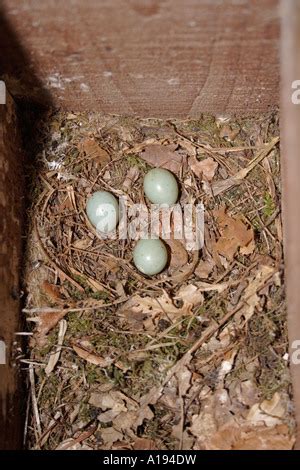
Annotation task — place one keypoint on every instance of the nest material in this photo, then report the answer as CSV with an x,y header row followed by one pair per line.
x,y
126,361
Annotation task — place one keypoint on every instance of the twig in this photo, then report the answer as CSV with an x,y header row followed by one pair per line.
x,y
55,357
34,401
219,187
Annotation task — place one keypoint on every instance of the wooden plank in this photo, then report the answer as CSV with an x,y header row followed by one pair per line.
x,y
11,216
162,58
290,127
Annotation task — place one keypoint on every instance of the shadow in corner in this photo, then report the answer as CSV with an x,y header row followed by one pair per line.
x,y
18,136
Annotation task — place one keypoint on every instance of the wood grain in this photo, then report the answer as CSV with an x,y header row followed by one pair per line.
x,y
290,129
11,197
161,58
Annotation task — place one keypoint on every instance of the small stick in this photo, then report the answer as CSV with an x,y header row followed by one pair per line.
x,y
34,401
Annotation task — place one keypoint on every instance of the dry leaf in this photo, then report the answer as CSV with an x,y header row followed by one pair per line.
x,y
232,436
72,444
275,438
217,187
184,377
142,443
269,412
46,321
163,156
234,234
190,295
121,445
91,357
205,268
122,410
138,309
82,243
209,286
187,439
75,443
52,291
246,392
92,149
132,175
111,435
204,169
55,357
179,256
250,298
110,415
228,133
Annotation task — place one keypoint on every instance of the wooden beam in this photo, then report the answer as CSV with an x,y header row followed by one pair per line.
x,y
153,58
290,126
11,217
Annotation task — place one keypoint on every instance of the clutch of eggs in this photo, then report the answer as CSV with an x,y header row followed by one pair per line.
x,y
160,186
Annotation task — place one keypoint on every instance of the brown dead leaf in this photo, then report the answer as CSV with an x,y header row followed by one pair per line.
x,y
92,149
228,133
232,436
234,235
52,291
111,435
216,428
131,176
190,295
91,357
218,187
82,243
110,415
72,444
139,309
269,412
205,268
121,445
179,256
164,156
46,321
250,297
246,392
76,442
184,377
185,437
204,169
119,408
143,443
275,438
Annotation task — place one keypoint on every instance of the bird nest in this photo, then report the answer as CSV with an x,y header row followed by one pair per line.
x,y
122,360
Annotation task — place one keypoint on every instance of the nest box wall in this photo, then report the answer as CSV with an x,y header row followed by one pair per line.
x,y
159,58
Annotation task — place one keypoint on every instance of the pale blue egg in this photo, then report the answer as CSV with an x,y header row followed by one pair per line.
x,y
102,209
150,256
160,186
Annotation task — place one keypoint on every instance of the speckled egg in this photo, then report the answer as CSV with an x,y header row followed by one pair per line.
x,y
102,209
150,256
160,186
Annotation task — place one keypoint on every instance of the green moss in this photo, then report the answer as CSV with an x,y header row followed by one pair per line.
x,y
99,295
269,207
135,160
79,324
